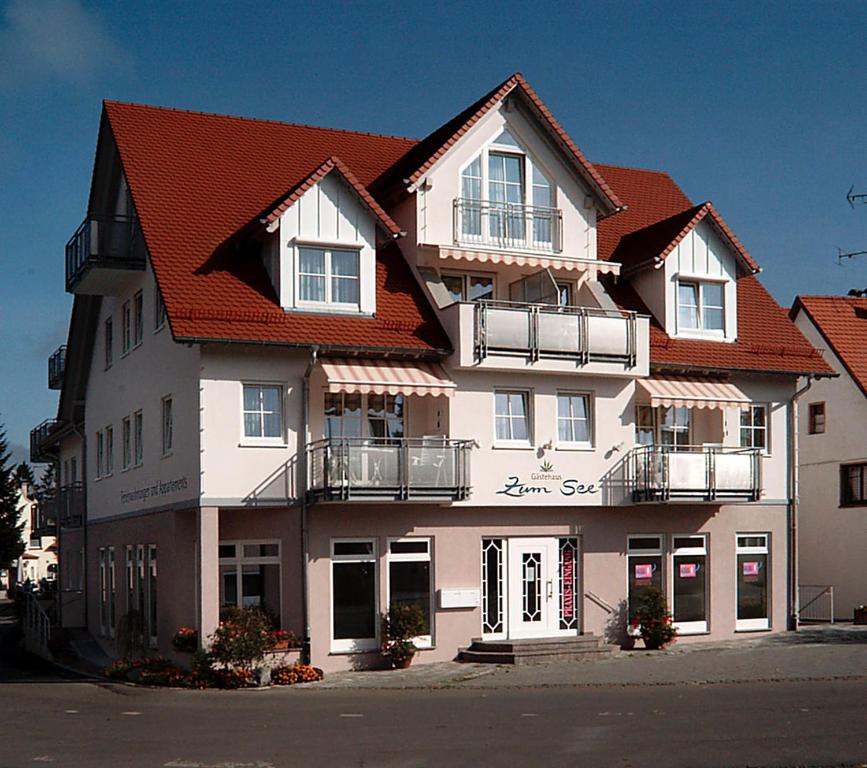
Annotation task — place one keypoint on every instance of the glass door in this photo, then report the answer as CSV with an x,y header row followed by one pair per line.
x,y
752,582
689,576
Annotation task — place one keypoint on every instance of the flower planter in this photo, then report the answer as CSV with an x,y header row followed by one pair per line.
x,y
860,616
402,663
651,643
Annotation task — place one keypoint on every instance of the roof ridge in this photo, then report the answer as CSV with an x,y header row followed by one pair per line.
x,y
204,113
657,171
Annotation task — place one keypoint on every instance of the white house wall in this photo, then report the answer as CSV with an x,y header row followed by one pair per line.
x,y
329,213
136,381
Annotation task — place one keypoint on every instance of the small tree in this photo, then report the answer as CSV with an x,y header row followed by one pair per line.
x,y
651,617
46,479
242,638
11,543
24,474
402,623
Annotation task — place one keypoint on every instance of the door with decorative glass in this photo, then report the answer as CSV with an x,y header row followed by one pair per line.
x,y
534,591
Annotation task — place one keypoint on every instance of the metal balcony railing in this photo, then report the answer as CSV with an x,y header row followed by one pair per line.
x,y
71,505
392,468
40,441
538,331
697,473
46,513
508,225
109,242
57,368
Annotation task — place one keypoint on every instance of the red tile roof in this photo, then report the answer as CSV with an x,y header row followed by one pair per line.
x,y
197,179
430,149
842,322
657,208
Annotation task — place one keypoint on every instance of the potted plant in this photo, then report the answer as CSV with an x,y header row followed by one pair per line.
x,y
402,623
185,640
651,619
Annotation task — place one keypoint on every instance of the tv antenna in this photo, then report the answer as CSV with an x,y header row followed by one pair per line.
x,y
855,197
849,255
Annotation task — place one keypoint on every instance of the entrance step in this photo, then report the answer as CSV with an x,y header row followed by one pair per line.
x,y
536,650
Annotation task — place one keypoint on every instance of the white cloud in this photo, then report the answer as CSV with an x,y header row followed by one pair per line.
x,y
57,40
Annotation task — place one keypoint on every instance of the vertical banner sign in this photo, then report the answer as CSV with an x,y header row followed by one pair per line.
x,y
688,570
568,583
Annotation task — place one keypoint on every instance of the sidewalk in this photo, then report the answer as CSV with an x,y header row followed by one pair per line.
x,y
813,653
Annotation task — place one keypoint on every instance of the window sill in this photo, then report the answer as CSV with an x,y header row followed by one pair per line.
x,y
512,447
575,447
262,444
752,631
158,329
166,455
333,309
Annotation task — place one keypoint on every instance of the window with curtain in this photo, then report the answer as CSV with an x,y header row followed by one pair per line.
x,y
263,412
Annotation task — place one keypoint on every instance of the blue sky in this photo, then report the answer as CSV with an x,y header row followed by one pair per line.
x,y
760,107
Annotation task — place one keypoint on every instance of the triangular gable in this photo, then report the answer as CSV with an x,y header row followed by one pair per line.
x,y
652,245
333,163
409,170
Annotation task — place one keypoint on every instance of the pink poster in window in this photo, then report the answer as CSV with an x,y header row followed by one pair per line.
x,y
643,571
568,580
751,568
688,570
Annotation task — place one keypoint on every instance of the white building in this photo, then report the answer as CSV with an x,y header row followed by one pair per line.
x,y
323,372
833,457
39,559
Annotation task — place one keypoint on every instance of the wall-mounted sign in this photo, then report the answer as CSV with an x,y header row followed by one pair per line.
x,y
545,482
158,489
568,564
688,570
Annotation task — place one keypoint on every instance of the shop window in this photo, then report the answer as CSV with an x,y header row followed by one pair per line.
x,y
250,576
689,577
409,580
752,579
644,565
354,607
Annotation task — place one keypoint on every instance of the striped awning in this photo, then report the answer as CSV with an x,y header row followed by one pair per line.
x,y
691,392
391,377
528,260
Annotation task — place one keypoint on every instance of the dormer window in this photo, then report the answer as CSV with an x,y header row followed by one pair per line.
x,y
328,277
700,306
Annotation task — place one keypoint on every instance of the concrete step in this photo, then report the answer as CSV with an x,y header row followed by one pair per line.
x,y
535,650
530,645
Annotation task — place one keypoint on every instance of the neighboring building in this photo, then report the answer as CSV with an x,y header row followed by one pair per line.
x,y
833,452
321,371
38,562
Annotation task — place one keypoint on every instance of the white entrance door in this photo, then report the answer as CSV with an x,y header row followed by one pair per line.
x,y
534,593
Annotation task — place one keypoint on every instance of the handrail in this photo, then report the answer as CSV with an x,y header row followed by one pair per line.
x,y
106,240
603,604
504,224
37,626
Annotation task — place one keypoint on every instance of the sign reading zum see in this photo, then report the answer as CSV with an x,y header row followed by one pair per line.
x,y
546,481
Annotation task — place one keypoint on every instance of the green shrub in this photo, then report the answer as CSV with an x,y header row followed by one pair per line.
x,y
651,617
402,623
241,639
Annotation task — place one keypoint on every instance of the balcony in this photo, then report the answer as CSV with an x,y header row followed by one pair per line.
x,y
695,473
399,469
71,505
57,368
40,441
102,250
46,513
508,225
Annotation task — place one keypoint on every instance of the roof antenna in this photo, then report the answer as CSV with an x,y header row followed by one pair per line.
x,y
852,197
851,254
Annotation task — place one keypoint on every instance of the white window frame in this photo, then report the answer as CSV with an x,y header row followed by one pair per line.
x,y
422,641
108,342
138,318
129,566
100,454
528,403
632,552
240,560
465,278
167,420
486,542
126,443
766,449
112,593
138,438
354,645
276,442
591,421
691,627
151,621
160,314
700,282
328,275
754,625
125,329
109,451
102,571
364,416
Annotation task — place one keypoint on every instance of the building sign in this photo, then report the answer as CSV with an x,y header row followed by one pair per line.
x,y
568,564
688,570
157,490
643,571
545,482
751,570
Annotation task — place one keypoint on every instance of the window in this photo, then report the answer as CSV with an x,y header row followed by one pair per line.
x,y
126,442
471,192
353,595
103,592
817,418
250,576
409,580
643,565
506,195
674,426
493,586
138,437
100,454
140,588
511,413
754,427
752,581
328,277
138,318
343,415
853,484
356,415
159,310
129,564
645,425
73,470
700,306
689,574
385,415
167,426
152,597
126,328
112,584
263,412
109,450
466,287
542,201
108,340
573,419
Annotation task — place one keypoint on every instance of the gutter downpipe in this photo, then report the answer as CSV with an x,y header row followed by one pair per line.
x,y
793,506
302,485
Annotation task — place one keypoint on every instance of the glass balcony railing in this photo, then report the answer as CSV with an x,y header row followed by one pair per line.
x,y
695,473
393,468
539,331
508,225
